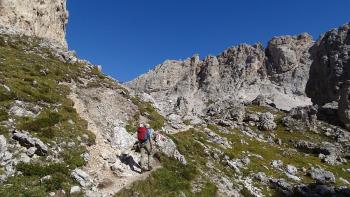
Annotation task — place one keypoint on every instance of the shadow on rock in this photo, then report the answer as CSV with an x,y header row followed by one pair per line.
x,y
129,160
316,190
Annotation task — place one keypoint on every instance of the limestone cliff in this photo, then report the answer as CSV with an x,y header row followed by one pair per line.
x,y
240,73
42,18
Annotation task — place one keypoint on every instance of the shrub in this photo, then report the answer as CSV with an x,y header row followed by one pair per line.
x,y
3,114
43,124
209,189
41,170
58,181
72,157
131,127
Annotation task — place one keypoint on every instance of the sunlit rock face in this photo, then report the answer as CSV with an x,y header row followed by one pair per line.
x,y
42,18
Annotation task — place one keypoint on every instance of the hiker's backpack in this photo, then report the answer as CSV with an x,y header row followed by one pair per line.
x,y
142,134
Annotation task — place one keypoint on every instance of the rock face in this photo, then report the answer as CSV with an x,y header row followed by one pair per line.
x,y
240,73
289,62
42,18
344,104
329,71
330,67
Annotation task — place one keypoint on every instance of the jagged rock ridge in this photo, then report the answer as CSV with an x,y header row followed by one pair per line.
x,y
240,73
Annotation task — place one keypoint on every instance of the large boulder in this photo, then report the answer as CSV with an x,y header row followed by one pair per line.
x,y
321,176
121,139
267,122
168,147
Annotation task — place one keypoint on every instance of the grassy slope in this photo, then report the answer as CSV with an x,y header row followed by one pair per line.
x,y
34,77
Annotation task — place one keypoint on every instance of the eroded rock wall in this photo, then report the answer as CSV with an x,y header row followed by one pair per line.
x,y
240,73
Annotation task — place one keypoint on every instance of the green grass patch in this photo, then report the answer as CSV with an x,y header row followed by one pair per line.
x,y
214,128
257,108
171,180
131,127
3,114
156,120
209,190
72,157
30,183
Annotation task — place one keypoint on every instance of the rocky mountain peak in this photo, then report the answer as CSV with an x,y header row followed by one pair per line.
x,y
240,73
41,18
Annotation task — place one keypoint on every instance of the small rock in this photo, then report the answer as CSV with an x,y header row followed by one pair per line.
x,y
321,156
24,158
293,177
261,176
3,144
86,156
31,151
82,177
45,178
75,190
70,121
71,144
277,164
291,169
344,181
7,88
116,169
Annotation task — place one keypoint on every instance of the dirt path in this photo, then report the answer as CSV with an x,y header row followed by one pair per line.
x,y
107,183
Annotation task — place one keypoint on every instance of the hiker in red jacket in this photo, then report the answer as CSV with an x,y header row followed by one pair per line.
x,y
145,147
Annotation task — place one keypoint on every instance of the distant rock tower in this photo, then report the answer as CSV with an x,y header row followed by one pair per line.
x,y
42,18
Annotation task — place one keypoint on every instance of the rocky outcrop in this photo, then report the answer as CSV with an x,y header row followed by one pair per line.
x,y
330,67
321,176
301,118
329,71
26,140
289,62
41,18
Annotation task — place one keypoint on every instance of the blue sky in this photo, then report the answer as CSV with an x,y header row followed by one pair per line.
x,y
129,37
